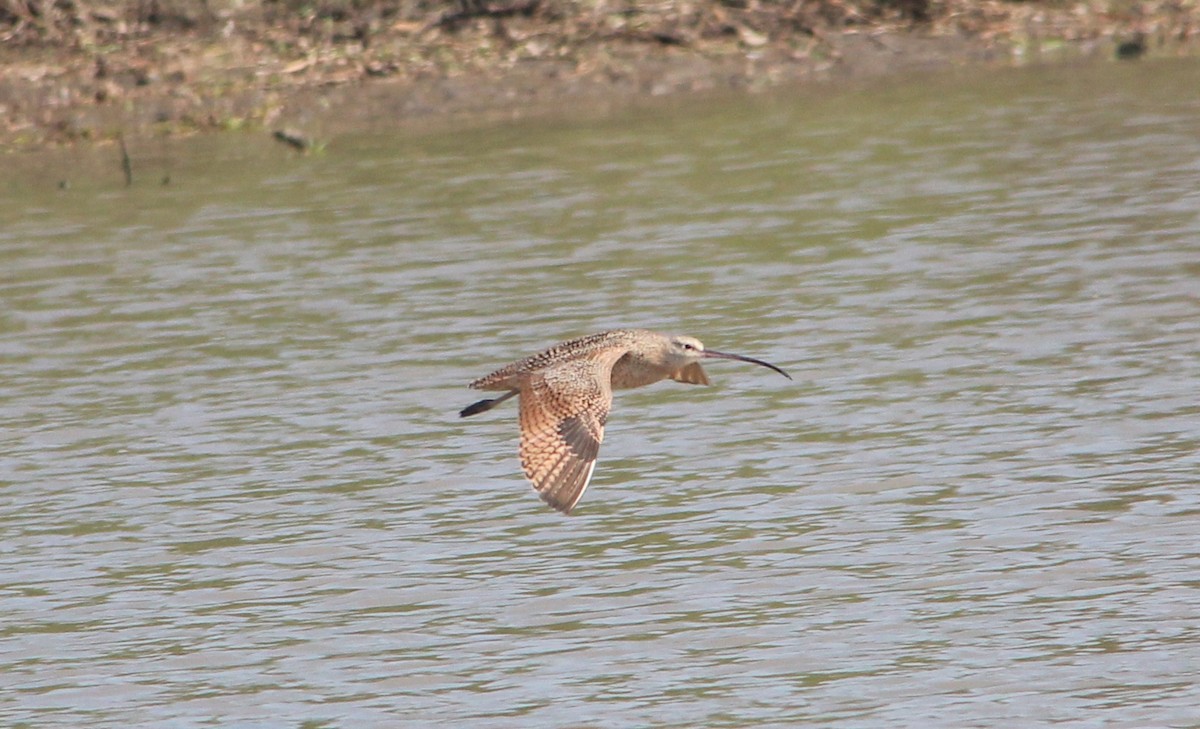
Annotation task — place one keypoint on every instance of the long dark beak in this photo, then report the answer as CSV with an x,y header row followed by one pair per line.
x,y
740,358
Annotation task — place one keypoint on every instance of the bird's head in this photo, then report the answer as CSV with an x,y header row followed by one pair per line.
x,y
682,351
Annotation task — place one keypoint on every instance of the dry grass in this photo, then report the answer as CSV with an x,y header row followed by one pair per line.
x,y
72,66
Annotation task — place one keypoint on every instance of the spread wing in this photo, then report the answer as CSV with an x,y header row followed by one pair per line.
x,y
563,412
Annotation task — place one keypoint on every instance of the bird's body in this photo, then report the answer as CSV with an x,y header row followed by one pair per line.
x,y
566,393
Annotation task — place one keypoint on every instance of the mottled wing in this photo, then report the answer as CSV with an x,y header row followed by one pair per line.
x,y
563,412
509,376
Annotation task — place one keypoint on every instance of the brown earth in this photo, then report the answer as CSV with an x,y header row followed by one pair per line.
x,y
77,71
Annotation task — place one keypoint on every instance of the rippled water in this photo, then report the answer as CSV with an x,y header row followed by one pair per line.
x,y
236,491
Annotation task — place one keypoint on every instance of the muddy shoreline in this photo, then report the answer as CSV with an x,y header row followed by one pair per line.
x,y
130,77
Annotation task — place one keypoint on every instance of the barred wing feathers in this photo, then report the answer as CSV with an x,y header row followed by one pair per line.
x,y
563,412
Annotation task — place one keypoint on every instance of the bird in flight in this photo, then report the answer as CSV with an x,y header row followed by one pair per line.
x,y
566,392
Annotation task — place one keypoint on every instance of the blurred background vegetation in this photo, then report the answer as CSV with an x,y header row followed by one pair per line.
x,y
59,21
88,68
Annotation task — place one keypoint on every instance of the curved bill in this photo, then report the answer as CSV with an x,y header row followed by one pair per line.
x,y
740,358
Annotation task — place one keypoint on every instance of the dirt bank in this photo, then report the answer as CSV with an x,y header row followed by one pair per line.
x,y
73,71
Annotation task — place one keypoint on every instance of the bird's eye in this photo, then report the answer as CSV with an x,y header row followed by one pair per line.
x,y
688,347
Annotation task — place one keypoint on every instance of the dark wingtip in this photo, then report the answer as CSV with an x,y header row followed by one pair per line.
x,y
474,408
485,405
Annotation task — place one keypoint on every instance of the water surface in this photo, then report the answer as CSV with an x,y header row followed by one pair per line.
x,y
236,491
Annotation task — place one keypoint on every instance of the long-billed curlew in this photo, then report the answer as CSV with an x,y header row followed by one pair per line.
x,y
566,392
